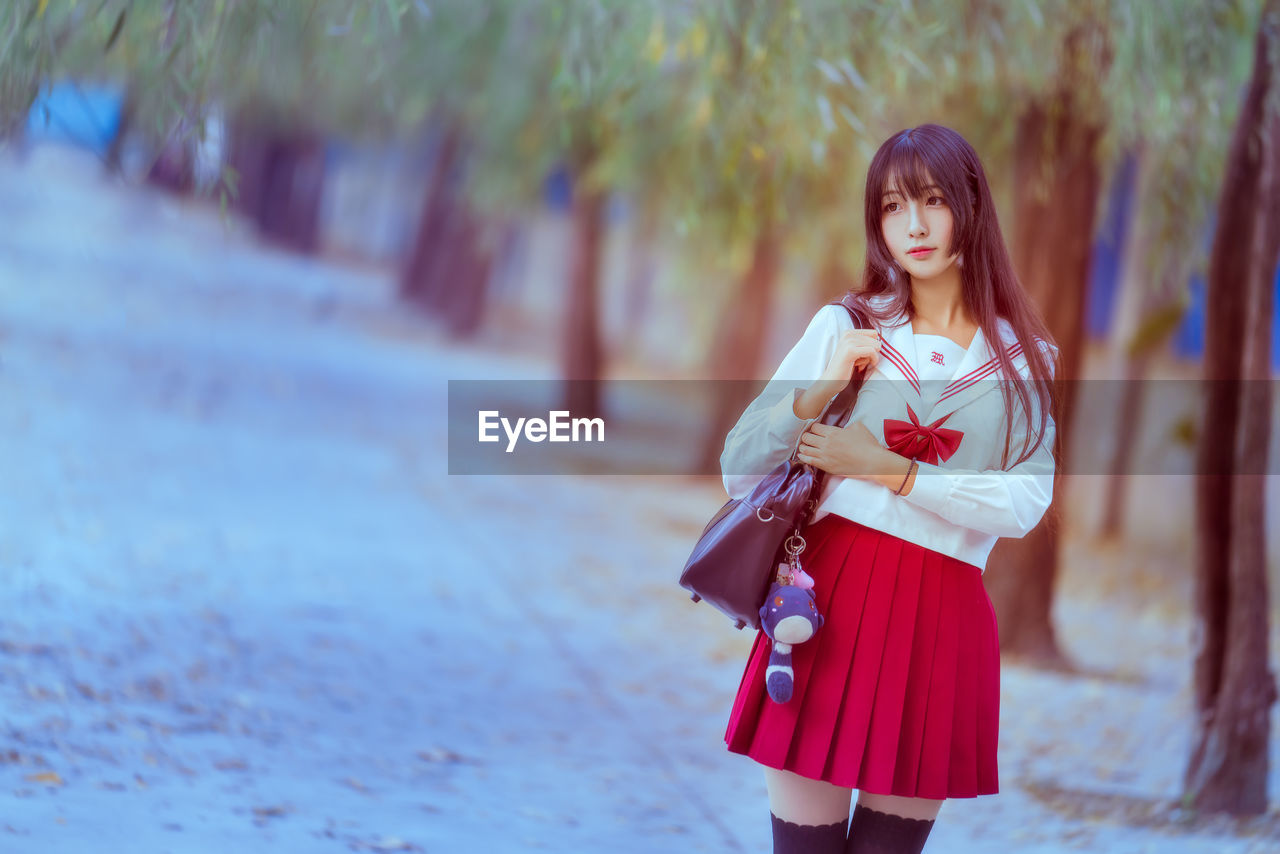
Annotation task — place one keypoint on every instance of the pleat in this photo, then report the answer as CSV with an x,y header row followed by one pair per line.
x,y
962,780
749,703
767,727
858,686
989,701
825,687
836,578
935,751
744,717
880,756
920,674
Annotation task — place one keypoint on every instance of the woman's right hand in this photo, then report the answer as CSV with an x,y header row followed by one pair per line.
x,y
856,349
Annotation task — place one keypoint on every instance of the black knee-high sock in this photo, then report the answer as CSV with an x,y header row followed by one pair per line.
x,y
791,838
874,832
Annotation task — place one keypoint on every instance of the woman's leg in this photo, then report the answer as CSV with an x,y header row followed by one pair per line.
x,y
895,805
803,801
809,816
888,824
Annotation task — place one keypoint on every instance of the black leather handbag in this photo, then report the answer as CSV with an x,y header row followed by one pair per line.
x,y
734,561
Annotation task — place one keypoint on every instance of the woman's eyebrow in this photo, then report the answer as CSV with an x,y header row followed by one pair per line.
x,y
930,188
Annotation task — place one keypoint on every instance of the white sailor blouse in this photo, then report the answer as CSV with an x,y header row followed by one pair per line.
x,y
962,500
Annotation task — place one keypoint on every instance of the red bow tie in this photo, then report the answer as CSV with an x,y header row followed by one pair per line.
x,y
931,444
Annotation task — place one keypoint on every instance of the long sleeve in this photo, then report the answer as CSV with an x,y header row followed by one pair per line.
x,y
769,428
997,502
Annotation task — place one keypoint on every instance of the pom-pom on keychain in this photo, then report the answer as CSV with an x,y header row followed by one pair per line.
x,y
788,616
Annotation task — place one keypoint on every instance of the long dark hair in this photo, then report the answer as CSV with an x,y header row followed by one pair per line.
x,y
990,288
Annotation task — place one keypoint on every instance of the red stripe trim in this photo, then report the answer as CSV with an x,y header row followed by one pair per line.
x,y
901,364
974,376
1014,350
902,361
972,381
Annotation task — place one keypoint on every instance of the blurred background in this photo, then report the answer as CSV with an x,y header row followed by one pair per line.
x,y
247,246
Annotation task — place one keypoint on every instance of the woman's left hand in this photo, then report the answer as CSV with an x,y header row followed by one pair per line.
x,y
850,451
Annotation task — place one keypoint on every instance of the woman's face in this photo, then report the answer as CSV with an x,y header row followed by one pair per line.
x,y
917,231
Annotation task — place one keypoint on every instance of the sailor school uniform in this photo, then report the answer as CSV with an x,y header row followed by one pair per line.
x,y
899,692
940,405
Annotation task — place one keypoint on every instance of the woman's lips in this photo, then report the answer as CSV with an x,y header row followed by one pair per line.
x,y
923,252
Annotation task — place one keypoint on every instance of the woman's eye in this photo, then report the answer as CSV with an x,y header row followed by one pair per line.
x,y
937,200
891,207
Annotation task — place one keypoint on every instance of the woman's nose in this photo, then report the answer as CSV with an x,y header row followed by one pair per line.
x,y
915,222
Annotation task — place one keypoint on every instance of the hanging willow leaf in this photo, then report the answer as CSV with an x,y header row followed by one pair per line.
x,y
1156,328
115,31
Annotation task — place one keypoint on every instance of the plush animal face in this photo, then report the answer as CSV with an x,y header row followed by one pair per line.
x,y
790,614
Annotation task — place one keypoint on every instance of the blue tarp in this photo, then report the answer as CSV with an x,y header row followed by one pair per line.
x,y
83,115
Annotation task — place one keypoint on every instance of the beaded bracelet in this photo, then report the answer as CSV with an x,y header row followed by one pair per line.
x,y
911,468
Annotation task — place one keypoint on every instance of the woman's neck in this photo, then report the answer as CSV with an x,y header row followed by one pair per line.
x,y
939,307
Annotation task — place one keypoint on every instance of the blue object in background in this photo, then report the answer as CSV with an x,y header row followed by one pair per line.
x,y
1105,271
1108,251
85,116
558,189
1188,340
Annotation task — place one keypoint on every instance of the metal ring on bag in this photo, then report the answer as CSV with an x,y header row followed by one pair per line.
x,y
794,544
761,518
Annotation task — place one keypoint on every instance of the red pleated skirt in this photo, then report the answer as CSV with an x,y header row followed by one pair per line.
x,y
899,692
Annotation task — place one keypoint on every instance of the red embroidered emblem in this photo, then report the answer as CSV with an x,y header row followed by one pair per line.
x,y
937,358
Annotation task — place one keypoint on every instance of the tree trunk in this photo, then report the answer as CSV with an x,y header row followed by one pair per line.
x,y
289,210
281,179
1128,426
248,156
438,201
470,265
1135,302
642,269
738,343
582,366
173,168
1233,685
1058,182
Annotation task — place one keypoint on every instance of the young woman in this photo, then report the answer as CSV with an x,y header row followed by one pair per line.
x,y
949,446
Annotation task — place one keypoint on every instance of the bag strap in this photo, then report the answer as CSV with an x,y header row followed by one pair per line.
x,y
839,407
836,411
842,404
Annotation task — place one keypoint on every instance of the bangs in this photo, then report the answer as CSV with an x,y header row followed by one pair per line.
x,y
905,172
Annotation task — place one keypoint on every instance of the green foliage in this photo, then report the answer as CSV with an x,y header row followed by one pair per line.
x,y
1156,328
28,44
729,117
1175,89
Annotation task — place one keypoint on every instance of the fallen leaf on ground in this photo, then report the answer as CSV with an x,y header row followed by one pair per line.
x,y
440,754
388,843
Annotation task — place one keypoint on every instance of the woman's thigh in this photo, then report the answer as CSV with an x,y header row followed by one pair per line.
x,y
926,808
803,801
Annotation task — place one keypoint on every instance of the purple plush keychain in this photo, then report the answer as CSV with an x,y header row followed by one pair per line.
x,y
788,616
